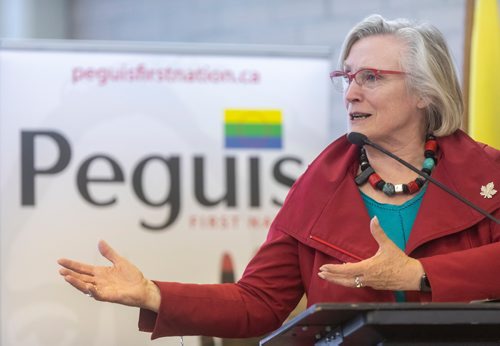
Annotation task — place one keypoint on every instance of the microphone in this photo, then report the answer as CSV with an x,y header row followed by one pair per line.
x,y
357,138
360,139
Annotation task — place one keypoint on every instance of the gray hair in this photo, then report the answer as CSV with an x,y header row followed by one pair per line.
x,y
428,61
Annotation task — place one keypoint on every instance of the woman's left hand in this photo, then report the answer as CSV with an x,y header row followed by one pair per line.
x,y
389,269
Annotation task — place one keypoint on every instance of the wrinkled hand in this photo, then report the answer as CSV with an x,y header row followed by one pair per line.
x,y
121,283
389,269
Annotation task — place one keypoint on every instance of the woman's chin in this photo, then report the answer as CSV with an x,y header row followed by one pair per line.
x,y
356,127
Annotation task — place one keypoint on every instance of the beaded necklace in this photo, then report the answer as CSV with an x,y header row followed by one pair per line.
x,y
369,174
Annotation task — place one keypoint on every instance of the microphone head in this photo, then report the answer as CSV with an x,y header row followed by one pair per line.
x,y
357,138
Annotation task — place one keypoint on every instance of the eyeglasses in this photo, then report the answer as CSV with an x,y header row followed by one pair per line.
x,y
369,78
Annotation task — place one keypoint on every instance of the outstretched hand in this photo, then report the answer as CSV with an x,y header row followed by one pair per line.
x,y
122,282
389,269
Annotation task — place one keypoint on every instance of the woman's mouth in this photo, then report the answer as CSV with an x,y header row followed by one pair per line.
x,y
359,116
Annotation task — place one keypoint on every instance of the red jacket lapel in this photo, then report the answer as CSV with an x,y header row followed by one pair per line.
x,y
324,209
464,167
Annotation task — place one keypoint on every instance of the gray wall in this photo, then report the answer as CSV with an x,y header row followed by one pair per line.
x,y
289,22
34,18
277,22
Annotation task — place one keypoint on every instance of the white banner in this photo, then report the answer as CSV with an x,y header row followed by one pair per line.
x,y
175,159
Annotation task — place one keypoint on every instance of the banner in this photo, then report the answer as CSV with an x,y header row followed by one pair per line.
x,y
484,90
179,159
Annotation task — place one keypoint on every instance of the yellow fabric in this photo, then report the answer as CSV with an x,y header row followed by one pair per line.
x,y
484,89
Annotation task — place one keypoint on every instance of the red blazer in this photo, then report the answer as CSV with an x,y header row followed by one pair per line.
x,y
324,220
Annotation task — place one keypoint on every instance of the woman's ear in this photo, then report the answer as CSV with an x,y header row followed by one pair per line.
x,y
423,102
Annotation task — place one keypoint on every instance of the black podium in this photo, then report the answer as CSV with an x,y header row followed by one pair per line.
x,y
391,324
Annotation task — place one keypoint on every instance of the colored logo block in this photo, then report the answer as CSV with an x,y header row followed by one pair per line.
x,y
253,128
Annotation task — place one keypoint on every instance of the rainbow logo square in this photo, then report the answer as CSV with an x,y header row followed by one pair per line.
x,y
253,128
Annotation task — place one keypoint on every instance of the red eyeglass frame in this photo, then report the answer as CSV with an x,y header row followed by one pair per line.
x,y
352,76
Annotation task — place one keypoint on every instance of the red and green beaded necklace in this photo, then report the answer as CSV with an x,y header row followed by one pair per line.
x,y
369,174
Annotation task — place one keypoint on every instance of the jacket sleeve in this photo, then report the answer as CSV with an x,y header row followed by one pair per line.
x,y
470,274
268,291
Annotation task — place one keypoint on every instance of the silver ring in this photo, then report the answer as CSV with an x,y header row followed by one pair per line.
x,y
357,282
89,294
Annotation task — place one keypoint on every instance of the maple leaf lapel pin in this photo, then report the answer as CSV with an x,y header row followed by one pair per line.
x,y
488,191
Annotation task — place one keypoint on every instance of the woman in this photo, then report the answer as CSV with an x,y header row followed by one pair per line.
x,y
357,226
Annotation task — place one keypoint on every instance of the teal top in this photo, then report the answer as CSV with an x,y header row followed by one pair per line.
x,y
396,220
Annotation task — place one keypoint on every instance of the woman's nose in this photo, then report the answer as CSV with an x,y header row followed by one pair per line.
x,y
353,92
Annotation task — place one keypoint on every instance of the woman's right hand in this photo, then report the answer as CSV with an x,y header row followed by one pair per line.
x,y
121,283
